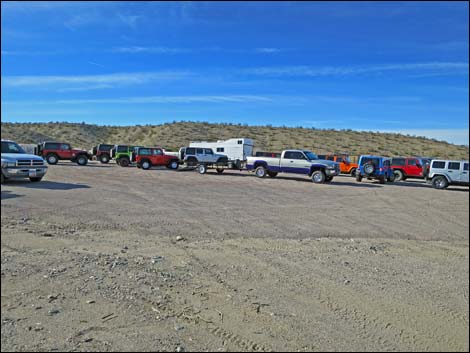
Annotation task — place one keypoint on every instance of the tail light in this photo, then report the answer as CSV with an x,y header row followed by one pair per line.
x,y
381,169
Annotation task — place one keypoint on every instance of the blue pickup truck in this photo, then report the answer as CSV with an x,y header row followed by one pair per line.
x,y
293,161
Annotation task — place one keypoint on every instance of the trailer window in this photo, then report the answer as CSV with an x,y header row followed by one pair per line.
x,y
220,149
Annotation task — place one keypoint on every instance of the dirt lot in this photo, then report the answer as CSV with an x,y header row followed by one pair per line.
x,y
92,260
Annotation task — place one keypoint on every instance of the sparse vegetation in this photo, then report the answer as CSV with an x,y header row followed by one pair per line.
x,y
176,134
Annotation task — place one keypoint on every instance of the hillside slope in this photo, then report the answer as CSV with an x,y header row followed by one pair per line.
x,y
177,134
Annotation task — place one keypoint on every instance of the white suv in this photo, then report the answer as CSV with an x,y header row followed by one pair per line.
x,y
443,173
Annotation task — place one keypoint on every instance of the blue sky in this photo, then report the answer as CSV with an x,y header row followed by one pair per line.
x,y
381,66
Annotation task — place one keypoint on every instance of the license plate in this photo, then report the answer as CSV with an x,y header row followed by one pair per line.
x,y
32,173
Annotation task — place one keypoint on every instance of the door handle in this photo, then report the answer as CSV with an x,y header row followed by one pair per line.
x,y
292,161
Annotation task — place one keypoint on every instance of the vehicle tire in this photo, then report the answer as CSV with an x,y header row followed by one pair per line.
x,y
145,164
238,164
124,162
353,172
52,158
222,161
318,177
369,168
358,177
399,176
202,169
104,158
173,164
35,180
191,162
328,179
382,179
220,170
82,160
439,182
260,172
272,174
391,178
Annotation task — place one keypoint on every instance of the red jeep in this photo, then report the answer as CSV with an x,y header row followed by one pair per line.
x,y
408,167
53,152
147,157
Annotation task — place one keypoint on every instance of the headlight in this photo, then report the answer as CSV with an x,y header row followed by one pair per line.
x,y
10,164
331,167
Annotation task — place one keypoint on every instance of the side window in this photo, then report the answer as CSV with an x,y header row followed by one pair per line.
x,y
199,151
190,151
51,146
387,163
398,161
157,152
220,149
297,155
240,142
411,161
465,166
64,146
144,152
439,164
339,160
454,165
208,151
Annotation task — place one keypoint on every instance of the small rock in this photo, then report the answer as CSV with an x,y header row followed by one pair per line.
x,y
179,349
89,339
179,328
52,297
53,312
179,238
90,302
347,281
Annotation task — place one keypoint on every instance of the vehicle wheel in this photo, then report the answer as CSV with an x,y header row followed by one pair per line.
x,y
238,164
439,182
52,159
353,172
82,160
191,162
391,178
260,172
399,176
220,170
202,169
173,165
104,158
382,179
369,168
145,165
124,162
358,177
272,174
318,177
36,179
328,179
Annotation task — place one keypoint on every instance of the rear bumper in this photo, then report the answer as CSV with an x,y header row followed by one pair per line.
x,y
24,172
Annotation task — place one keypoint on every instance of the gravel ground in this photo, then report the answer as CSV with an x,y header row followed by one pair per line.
x,y
104,258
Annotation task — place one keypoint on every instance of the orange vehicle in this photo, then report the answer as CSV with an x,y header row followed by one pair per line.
x,y
347,164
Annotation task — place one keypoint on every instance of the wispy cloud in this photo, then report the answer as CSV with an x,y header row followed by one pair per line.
x,y
155,50
95,64
449,68
116,79
268,50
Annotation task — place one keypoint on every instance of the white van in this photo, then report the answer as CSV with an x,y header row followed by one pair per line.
x,y
236,149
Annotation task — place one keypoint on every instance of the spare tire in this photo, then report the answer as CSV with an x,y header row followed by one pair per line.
x,y
369,168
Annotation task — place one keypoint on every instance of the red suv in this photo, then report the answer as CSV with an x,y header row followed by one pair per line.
x,y
409,167
53,152
147,157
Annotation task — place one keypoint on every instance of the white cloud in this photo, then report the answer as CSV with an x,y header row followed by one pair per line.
x,y
157,50
268,50
117,79
455,136
311,71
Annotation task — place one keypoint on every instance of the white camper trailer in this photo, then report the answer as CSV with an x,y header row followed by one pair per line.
x,y
236,149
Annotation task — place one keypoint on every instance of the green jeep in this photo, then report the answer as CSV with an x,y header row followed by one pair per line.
x,y
122,154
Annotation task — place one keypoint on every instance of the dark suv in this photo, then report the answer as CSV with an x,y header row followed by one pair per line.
x,y
102,152
375,167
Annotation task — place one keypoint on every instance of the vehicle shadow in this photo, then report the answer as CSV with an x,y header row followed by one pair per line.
x,y
48,185
422,184
9,195
306,179
89,165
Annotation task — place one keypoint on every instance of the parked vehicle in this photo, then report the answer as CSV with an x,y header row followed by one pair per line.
x,y
16,163
346,165
236,149
122,154
375,167
408,167
102,152
446,172
294,161
203,158
147,157
53,152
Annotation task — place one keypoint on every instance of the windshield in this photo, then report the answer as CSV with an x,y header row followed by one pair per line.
x,y
11,147
310,155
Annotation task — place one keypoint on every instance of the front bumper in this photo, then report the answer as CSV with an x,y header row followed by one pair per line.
x,y
332,172
24,172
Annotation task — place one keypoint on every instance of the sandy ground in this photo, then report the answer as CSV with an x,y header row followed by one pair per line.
x,y
92,260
